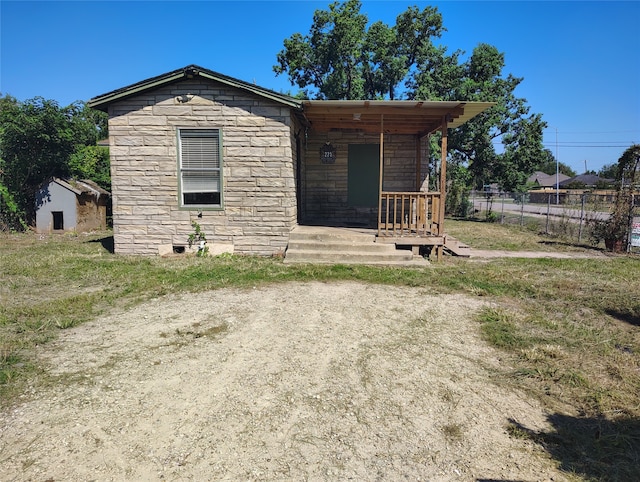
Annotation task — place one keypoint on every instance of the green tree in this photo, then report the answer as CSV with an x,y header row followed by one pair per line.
x,y
91,162
609,171
615,230
343,59
509,122
457,202
547,164
408,41
329,58
10,214
523,147
629,168
37,140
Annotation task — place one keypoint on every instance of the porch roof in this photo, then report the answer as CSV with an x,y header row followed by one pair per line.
x,y
389,116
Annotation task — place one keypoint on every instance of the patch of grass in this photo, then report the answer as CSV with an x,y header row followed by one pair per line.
x,y
511,237
499,328
184,336
196,331
452,431
569,330
517,431
451,398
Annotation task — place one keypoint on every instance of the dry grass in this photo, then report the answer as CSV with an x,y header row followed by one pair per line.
x,y
571,328
510,237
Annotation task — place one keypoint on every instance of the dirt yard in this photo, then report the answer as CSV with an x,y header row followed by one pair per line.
x,y
304,381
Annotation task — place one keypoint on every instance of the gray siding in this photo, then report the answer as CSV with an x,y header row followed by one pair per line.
x,y
54,197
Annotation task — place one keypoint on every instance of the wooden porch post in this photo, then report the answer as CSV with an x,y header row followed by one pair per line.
x,y
418,162
443,180
381,169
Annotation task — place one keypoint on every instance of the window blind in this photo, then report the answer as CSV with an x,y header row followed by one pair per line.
x,y
200,160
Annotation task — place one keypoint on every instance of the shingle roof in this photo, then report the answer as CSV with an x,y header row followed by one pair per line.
x,y
586,179
546,180
79,187
401,117
101,102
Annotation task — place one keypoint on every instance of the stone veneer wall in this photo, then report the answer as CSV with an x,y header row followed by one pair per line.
x,y
325,196
259,208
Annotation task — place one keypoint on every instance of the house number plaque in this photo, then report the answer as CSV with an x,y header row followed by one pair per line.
x,y
327,154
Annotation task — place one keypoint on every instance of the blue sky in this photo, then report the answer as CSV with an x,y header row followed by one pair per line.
x,y
580,60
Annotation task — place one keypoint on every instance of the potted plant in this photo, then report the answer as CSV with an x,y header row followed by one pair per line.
x,y
613,231
198,238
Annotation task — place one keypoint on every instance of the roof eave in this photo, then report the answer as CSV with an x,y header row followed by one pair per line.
x,y
400,116
64,183
260,91
103,101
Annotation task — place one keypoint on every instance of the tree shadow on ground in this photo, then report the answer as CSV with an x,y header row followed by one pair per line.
x,y
628,316
106,242
498,480
588,247
594,447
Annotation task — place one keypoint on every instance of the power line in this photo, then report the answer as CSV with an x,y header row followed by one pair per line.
x,y
596,144
589,142
594,132
576,144
610,146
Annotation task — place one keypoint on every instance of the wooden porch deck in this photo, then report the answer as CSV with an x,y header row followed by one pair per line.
x,y
411,219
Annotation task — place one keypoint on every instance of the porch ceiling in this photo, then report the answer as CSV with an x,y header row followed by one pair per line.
x,y
394,116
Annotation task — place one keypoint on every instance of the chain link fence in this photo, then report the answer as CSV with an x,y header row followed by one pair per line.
x,y
567,215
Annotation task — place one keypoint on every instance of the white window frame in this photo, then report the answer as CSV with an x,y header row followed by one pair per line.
x,y
206,161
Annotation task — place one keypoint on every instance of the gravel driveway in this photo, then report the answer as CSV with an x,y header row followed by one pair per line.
x,y
298,381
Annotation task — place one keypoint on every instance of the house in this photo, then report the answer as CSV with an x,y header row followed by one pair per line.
x,y
585,181
70,205
249,164
543,180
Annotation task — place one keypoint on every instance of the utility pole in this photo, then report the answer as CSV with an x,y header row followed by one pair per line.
x,y
557,171
557,168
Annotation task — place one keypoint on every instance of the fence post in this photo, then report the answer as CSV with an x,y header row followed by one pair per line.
x,y
630,225
521,209
546,229
581,218
502,211
473,204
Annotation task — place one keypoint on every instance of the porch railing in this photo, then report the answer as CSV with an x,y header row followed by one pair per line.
x,y
410,214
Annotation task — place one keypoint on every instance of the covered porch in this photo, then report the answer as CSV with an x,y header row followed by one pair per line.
x,y
381,148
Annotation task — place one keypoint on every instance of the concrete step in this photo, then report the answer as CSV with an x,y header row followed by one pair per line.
x,y
329,234
345,257
457,248
343,246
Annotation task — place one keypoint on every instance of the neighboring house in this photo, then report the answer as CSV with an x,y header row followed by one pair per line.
x,y
543,180
70,205
585,181
249,164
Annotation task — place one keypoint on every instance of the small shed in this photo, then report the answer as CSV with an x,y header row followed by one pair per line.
x,y
70,205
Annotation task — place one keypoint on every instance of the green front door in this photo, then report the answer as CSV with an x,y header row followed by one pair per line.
x,y
363,177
